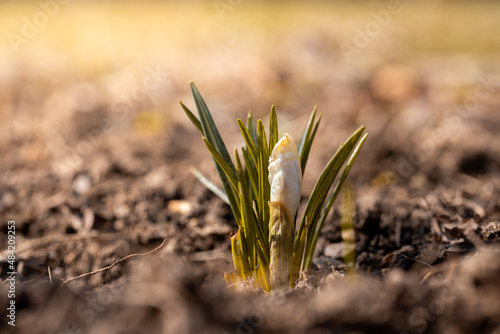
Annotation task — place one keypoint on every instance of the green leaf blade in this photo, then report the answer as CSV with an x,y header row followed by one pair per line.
x,y
196,122
321,189
210,129
207,183
213,137
273,129
223,164
248,141
251,126
252,230
305,142
333,197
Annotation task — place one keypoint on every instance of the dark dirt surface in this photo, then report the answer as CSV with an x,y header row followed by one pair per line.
x,y
88,185
427,237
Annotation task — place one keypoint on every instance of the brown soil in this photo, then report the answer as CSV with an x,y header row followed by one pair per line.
x,y
83,196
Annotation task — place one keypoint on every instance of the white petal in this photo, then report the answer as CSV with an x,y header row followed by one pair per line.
x,y
285,176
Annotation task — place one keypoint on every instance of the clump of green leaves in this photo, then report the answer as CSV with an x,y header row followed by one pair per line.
x,y
247,191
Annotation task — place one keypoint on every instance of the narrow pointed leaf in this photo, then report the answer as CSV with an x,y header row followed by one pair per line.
x,y
251,171
209,128
298,254
196,122
238,257
252,127
307,146
264,188
273,129
307,132
261,138
322,186
223,164
336,190
207,183
252,230
263,198
307,139
248,141
245,253
212,135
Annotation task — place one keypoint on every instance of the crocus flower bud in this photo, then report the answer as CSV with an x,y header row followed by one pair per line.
x,y
285,178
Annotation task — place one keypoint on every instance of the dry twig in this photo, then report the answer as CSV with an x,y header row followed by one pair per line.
x,y
5,280
114,263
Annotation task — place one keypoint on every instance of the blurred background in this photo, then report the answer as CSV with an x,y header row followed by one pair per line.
x,y
79,75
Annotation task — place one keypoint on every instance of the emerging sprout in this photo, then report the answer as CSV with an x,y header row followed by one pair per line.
x,y
264,195
285,178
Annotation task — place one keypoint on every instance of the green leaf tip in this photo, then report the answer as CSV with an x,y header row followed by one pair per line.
x,y
264,231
